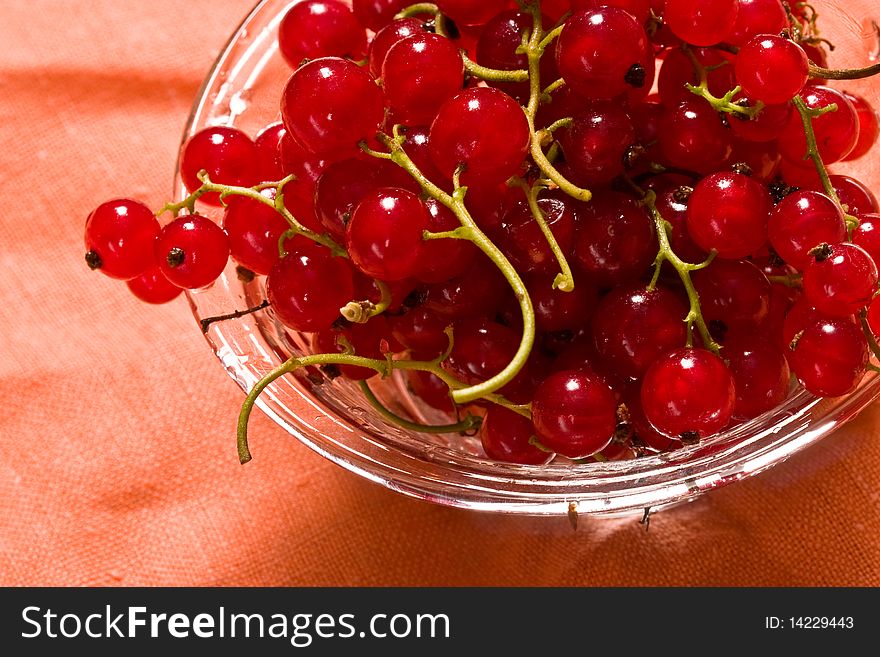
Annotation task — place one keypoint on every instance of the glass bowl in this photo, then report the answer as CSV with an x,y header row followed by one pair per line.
x,y
332,418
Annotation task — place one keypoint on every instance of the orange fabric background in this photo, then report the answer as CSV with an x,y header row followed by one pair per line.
x,y
118,464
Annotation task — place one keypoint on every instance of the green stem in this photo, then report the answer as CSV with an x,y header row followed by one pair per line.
x,y
469,423
564,281
254,194
384,366
535,46
470,231
844,73
725,103
684,270
807,116
493,74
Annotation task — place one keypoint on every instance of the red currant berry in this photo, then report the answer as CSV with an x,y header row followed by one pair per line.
x,y
733,292
760,374
766,126
430,389
506,436
869,126
376,14
445,258
693,137
830,356
596,142
678,70
728,212
836,132
270,162
384,235
420,72
471,12
227,155
841,280
754,17
522,241
320,28
688,393
497,48
307,287
867,235
119,238
556,310
633,326
483,129
615,241
254,230
481,290
153,287
574,413
421,330
854,194
331,104
802,221
387,37
772,69
192,251
700,22
604,53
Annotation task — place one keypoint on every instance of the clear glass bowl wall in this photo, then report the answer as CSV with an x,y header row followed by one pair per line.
x,y
332,418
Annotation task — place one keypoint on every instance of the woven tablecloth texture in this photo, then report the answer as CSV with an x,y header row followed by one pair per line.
x,y
118,464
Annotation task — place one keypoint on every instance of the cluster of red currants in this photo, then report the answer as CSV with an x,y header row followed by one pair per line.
x,y
622,209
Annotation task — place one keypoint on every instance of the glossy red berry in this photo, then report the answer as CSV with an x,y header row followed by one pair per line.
x,y
633,326
615,241
693,137
471,12
254,230
320,28
331,104
556,310
119,236
829,356
841,280
384,235
483,129
422,330
754,17
772,69
446,258
574,413
836,132
760,373
728,212
869,126
506,436
376,14
700,22
227,155
419,73
385,38
308,286
192,251
867,235
688,393
802,221
733,292
153,287
604,53
596,143
520,238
